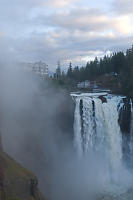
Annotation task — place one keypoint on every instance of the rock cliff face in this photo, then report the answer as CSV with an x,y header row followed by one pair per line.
x,y
16,183
1,147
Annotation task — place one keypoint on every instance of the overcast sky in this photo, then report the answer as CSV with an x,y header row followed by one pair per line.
x,y
65,30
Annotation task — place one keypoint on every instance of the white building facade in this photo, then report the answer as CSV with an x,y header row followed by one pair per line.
x,y
40,68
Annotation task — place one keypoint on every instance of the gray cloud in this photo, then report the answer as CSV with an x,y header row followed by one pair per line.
x,y
123,6
82,19
65,46
72,49
39,30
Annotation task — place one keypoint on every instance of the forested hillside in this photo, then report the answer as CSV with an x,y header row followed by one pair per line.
x,y
118,65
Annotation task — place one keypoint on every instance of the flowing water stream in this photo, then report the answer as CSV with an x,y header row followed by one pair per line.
x,y
103,124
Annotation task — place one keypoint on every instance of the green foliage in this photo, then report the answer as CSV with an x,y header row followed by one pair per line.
x,y
13,169
70,71
57,74
17,180
118,64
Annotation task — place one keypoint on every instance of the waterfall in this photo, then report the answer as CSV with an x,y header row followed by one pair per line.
x,y
103,138
88,124
113,134
96,127
77,127
131,129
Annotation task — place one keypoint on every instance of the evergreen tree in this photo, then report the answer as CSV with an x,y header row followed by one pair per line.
x,y
58,71
119,63
70,71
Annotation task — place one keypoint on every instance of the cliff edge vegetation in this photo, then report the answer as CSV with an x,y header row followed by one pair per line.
x,y
16,182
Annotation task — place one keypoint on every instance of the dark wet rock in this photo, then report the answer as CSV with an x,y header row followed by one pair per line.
x,y
125,116
81,115
125,126
1,146
103,99
15,181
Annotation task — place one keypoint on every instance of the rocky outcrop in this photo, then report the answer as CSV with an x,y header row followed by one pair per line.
x,y
1,147
103,99
17,183
125,117
125,126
